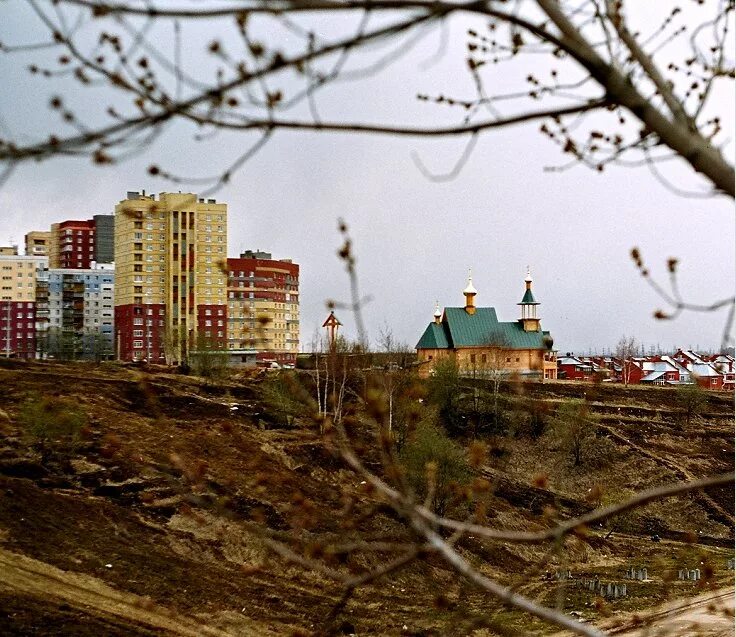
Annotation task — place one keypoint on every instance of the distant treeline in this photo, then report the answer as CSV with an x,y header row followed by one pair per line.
x,y
363,360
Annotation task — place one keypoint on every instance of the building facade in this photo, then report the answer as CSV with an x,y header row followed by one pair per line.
x,y
104,239
483,346
170,285
80,323
76,245
37,243
263,307
72,245
18,276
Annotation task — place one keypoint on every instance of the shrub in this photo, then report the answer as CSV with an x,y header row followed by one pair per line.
x,y
430,450
209,364
574,428
691,398
284,397
54,425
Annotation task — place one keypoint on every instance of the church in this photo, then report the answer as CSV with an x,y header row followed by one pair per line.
x,y
485,347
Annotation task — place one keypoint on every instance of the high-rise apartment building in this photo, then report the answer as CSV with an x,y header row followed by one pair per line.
x,y
18,276
72,245
37,243
263,306
170,276
104,251
75,245
80,313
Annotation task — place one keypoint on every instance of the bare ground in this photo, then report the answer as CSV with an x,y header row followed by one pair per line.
x,y
168,478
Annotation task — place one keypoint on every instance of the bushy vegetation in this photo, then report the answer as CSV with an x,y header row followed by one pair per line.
x,y
443,391
466,411
54,425
692,400
574,429
435,465
285,397
209,364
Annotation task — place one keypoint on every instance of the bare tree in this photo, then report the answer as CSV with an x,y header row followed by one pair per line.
x,y
494,367
336,367
653,100
626,348
394,377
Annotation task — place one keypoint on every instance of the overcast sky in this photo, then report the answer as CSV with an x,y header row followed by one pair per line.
x,y
414,238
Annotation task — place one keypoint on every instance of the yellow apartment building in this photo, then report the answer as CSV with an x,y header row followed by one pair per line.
x,y
38,243
170,276
263,306
18,278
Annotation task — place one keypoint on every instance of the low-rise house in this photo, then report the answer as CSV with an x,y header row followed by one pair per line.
x,y
706,376
726,365
573,368
659,372
682,367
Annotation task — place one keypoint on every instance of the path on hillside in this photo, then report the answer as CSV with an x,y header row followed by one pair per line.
x,y
49,585
708,615
680,471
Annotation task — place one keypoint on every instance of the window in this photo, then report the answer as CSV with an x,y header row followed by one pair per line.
x,y
137,343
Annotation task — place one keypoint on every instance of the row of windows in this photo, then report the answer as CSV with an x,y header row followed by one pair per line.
x,y
162,215
20,264
20,306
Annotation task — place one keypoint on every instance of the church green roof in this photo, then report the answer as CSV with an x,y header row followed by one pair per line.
x,y
434,337
460,329
528,299
467,330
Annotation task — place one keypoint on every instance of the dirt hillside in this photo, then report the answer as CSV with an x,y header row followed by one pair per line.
x,y
148,528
